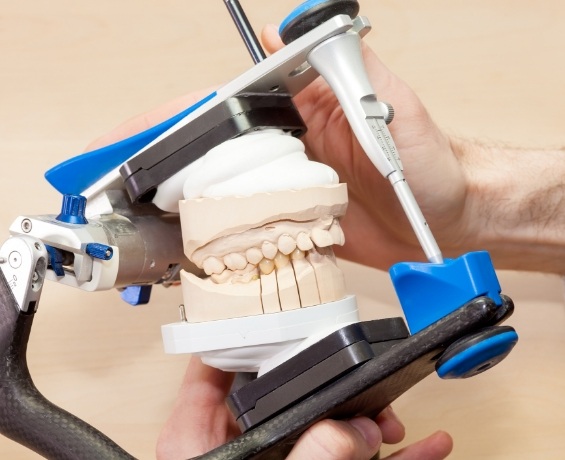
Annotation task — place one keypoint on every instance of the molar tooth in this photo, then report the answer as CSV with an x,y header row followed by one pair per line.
x,y
209,301
304,242
235,261
337,233
269,250
249,273
266,266
254,255
321,238
297,254
286,243
213,265
221,278
281,260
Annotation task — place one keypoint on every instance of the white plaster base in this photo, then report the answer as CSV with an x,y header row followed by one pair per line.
x,y
258,343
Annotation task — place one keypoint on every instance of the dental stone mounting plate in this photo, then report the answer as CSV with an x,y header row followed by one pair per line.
x,y
240,334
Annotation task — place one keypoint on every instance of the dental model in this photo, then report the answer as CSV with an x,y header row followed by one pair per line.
x,y
260,219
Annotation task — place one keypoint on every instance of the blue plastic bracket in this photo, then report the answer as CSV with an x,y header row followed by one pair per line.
x,y
76,174
427,292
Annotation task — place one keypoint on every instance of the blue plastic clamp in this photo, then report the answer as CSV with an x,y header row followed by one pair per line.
x,y
427,292
136,295
55,260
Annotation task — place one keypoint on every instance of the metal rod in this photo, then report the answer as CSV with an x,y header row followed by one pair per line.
x,y
245,30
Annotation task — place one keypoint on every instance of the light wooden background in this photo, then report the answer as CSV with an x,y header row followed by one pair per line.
x,y
70,71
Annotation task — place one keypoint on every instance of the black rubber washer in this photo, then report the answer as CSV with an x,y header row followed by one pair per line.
x,y
318,14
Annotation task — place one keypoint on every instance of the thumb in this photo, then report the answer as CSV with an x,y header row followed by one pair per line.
x,y
271,39
358,438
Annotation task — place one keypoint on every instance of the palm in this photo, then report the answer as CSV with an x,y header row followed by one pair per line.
x,y
377,231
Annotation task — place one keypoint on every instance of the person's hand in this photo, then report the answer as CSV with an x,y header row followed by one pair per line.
x,y
201,421
376,229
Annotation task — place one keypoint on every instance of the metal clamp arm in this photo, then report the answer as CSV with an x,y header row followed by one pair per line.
x,y
26,416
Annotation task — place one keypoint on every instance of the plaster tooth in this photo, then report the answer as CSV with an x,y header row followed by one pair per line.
x,y
286,243
266,266
329,278
221,278
306,282
248,274
288,290
281,260
326,221
213,265
269,250
270,293
207,301
304,242
297,254
337,233
321,238
235,261
253,255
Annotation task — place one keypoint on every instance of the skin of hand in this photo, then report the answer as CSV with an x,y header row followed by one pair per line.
x,y
201,421
474,196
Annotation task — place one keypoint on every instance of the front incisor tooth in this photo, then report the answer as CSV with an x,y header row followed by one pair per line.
x,y
213,265
269,250
270,293
337,233
254,255
304,242
281,260
321,238
266,266
288,290
286,243
306,282
235,261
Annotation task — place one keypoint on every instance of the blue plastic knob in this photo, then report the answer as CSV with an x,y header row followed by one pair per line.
x,y
72,210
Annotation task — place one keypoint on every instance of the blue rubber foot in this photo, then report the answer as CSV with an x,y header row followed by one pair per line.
x,y
476,353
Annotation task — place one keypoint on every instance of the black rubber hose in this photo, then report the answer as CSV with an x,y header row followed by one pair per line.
x,y
26,416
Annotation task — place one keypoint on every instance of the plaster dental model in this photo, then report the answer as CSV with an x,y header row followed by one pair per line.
x,y
260,219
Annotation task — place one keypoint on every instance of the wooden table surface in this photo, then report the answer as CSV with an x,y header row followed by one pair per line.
x,y
70,71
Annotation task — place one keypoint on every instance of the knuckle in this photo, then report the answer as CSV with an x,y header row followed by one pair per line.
x,y
333,440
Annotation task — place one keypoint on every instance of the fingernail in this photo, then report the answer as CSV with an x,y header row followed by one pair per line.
x,y
368,429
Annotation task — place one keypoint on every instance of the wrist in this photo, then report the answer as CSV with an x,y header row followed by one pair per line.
x,y
515,205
